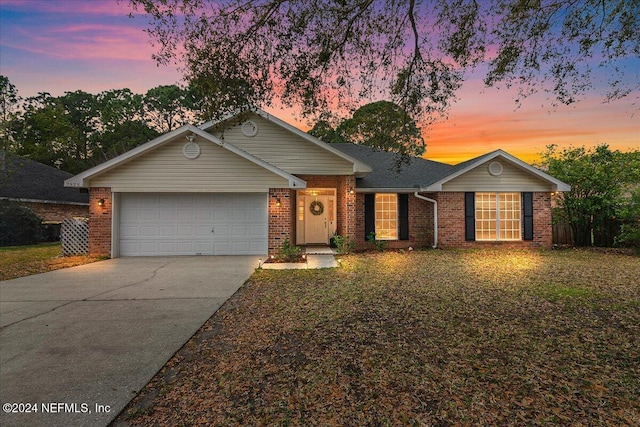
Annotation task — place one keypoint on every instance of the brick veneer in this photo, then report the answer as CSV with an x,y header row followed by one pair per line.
x,y
451,223
100,221
281,218
451,229
345,203
420,225
282,221
56,212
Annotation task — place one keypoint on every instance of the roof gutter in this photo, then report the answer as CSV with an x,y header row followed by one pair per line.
x,y
435,217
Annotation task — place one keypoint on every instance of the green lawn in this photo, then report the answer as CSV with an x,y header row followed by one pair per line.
x,y
420,338
19,261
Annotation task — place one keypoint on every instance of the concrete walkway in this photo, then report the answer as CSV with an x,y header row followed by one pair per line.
x,y
77,344
315,256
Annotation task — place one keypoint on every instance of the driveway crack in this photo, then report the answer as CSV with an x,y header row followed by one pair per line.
x,y
151,277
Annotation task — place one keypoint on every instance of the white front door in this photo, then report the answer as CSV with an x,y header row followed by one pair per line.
x,y
316,220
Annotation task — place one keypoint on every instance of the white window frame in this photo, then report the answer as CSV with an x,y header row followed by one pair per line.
x,y
498,216
386,216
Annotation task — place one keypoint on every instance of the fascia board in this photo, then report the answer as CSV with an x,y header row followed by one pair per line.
x,y
556,185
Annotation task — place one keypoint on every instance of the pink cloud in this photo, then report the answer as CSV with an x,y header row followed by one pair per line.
x,y
85,41
104,7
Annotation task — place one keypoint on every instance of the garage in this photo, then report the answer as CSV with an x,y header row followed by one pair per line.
x,y
154,224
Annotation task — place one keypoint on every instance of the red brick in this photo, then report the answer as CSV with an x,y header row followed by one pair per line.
x,y
100,221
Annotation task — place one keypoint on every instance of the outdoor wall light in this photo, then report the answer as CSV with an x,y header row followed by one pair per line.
x,y
101,203
278,203
351,190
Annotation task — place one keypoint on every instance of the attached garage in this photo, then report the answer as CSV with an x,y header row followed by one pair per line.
x,y
155,224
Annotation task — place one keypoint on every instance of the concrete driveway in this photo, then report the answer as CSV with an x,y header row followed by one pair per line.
x,y
77,344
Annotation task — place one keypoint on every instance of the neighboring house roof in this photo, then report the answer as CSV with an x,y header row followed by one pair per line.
x,y
359,168
384,173
25,180
426,175
83,179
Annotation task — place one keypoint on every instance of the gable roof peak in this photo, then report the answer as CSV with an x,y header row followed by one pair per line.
x,y
359,168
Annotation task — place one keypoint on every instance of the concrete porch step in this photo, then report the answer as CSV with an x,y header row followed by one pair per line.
x,y
318,250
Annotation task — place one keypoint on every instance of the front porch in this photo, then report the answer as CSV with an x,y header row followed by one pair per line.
x,y
311,216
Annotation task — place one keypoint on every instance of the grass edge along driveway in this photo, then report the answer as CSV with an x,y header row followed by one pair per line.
x,y
20,261
491,337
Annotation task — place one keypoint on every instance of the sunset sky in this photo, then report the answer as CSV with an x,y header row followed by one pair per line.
x,y
57,46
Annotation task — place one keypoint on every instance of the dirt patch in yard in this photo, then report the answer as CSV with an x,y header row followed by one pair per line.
x,y
416,338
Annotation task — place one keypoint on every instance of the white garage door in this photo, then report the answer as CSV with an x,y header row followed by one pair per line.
x,y
193,224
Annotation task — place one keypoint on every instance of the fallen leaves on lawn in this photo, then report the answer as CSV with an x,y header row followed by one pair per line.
x,y
420,338
20,261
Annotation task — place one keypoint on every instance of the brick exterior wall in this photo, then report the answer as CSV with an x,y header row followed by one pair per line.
x,y
420,225
56,212
345,201
451,220
451,228
350,215
100,221
281,219
542,224
451,223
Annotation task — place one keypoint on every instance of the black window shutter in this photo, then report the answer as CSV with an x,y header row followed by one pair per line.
x,y
403,216
470,216
369,214
527,211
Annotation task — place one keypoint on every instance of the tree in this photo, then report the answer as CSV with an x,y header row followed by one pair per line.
x,y
118,106
8,101
329,55
629,213
81,109
168,107
600,181
122,125
325,132
384,126
122,138
44,133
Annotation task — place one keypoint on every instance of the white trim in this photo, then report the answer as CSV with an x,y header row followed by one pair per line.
x,y
115,224
360,169
83,179
387,190
556,185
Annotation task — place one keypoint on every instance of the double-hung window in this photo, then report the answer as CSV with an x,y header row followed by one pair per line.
x,y
498,216
386,216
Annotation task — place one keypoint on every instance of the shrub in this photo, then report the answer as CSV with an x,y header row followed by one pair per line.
x,y
19,225
380,245
289,252
344,244
629,214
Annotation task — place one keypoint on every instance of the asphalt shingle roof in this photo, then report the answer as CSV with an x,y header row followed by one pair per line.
x,y
21,178
419,172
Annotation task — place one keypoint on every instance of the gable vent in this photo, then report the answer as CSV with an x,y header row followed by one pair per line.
x,y
191,150
495,168
250,128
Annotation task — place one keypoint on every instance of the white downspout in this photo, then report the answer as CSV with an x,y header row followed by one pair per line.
x,y
435,217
